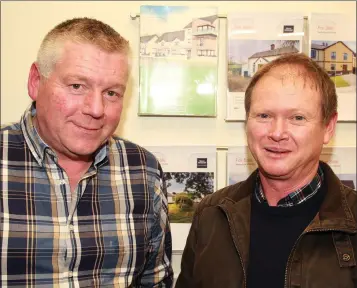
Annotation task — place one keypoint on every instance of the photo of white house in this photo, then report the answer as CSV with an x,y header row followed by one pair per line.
x,y
246,57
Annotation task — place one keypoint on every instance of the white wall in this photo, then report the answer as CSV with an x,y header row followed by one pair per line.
x,y
24,24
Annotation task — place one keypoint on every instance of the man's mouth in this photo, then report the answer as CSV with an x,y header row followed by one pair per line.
x,y
88,128
277,150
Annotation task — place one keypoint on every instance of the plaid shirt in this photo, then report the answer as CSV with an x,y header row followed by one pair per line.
x,y
296,197
112,231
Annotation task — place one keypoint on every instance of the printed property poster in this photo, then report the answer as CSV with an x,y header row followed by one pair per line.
x,y
342,160
253,41
178,61
333,47
240,164
190,175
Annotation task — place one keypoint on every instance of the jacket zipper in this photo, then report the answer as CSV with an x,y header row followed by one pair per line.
x,y
293,249
236,246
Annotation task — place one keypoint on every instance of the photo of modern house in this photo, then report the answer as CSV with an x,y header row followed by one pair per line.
x,y
197,39
338,58
246,57
148,45
178,61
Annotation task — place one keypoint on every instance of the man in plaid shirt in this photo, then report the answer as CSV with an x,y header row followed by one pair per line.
x,y
79,206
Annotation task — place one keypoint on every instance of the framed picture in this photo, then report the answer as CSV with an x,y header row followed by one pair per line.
x,y
178,61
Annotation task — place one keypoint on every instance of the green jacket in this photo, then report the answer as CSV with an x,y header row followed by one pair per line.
x,y
217,248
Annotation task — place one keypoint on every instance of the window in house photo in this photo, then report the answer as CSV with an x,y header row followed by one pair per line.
x,y
313,53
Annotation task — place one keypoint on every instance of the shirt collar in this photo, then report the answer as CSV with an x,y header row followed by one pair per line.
x,y
296,197
39,148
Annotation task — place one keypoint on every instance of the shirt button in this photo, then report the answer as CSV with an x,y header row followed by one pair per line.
x,y
62,181
71,227
70,274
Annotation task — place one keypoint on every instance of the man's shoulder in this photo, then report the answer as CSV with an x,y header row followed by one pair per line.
x,y
11,133
14,126
134,151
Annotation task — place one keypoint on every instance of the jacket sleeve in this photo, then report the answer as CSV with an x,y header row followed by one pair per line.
x,y
158,270
186,276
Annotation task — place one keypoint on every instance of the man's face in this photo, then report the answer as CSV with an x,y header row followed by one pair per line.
x,y
285,129
79,105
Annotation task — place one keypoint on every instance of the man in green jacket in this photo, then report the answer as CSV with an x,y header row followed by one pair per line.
x,y
292,223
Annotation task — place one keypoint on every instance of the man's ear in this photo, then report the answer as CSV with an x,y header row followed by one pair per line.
x,y
33,83
330,128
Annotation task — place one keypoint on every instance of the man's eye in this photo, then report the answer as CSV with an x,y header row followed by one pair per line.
x,y
112,93
76,86
263,116
299,117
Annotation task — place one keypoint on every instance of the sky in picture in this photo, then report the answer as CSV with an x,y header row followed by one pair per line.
x,y
161,19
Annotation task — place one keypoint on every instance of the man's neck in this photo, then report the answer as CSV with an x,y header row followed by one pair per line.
x,y
277,189
74,167
75,170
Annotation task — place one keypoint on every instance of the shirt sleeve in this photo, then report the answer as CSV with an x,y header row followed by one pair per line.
x,y
158,270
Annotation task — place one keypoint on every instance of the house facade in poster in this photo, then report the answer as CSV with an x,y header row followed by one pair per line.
x,y
197,39
178,61
255,39
333,47
336,57
248,56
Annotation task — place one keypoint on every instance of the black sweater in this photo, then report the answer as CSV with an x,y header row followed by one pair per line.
x,y
274,231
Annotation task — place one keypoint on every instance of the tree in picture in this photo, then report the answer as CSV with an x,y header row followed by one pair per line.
x,y
185,191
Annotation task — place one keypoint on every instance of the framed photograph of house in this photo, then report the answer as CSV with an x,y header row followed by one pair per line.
x,y
333,47
178,61
240,164
342,160
190,175
253,41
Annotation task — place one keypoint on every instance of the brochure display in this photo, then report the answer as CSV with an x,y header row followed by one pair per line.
x,y
333,47
240,164
190,175
342,161
178,61
254,40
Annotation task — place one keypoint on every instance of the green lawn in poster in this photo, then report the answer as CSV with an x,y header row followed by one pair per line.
x,y
183,87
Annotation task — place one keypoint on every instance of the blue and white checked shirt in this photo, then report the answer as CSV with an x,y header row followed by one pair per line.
x,y
296,197
112,231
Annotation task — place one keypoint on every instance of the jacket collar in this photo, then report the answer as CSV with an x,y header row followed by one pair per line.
x,y
334,213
